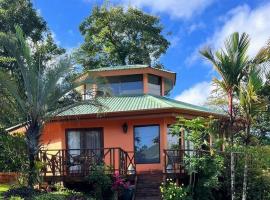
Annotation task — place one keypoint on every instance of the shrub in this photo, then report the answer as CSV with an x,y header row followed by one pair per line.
x,y
101,181
171,191
62,194
13,156
122,187
15,198
23,192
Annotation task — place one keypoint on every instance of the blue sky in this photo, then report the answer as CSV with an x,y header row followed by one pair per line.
x,y
193,23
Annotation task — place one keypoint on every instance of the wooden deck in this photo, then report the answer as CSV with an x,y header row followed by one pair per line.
x,y
76,164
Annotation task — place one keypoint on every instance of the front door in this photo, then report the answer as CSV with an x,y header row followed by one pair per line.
x,y
84,146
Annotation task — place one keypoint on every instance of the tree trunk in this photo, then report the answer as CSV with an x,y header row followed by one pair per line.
x,y
31,170
230,107
232,176
32,136
244,195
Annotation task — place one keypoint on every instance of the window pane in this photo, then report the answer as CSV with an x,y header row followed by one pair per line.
x,y
147,144
154,84
172,140
121,85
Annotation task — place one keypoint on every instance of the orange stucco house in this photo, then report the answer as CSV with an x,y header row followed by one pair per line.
x,y
129,132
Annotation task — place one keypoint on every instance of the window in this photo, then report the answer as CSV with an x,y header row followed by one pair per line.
x,y
173,141
154,84
121,85
79,141
147,149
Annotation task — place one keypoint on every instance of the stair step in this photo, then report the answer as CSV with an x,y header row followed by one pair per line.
x,y
148,186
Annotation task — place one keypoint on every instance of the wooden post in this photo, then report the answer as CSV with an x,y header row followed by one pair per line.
x,y
162,86
145,83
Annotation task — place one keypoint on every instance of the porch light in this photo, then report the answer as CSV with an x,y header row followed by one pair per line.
x,y
125,127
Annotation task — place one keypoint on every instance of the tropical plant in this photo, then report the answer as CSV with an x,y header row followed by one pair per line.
x,y
119,36
38,95
100,179
13,152
251,104
230,63
204,165
34,27
171,191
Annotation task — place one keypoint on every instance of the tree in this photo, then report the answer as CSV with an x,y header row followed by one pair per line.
x,y
42,93
115,36
21,12
262,126
230,63
251,104
204,165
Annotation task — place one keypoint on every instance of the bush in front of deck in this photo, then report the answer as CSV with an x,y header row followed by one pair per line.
x,y
171,191
101,179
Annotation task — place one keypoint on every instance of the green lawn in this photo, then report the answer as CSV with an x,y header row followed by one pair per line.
x,y
3,188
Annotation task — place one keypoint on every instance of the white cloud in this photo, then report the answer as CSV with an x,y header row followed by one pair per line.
x,y
197,94
174,8
255,22
195,26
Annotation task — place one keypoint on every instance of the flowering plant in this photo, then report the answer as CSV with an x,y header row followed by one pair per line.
x,y
119,183
171,191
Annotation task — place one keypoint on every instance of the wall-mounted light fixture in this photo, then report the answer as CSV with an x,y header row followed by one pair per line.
x,y
125,127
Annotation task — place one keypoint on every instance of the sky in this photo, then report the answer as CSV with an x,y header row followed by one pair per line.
x,y
194,24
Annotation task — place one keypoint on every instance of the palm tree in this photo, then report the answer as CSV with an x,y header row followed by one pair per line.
x,y
251,104
230,63
38,93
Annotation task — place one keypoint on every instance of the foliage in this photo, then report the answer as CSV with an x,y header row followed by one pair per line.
x,y
15,198
204,165
230,63
261,127
3,188
22,13
13,153
171,191
121,186
115,36
61,195
38,96
100,179
23,192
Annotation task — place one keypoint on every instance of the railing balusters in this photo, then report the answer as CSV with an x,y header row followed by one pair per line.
x,y
67,162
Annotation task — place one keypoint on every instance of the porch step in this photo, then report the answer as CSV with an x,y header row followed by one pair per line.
x,y
148,186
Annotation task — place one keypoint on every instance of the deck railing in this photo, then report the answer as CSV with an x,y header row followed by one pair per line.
x,y
174,162
80,162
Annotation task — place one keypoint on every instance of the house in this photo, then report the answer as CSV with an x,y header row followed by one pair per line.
x,y
129,132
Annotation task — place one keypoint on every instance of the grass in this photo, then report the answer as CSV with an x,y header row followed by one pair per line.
x,y
3,188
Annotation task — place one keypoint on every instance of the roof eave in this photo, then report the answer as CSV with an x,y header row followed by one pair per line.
x,y
173,111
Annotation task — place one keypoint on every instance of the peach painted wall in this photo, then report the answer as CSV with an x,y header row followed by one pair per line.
x,y
54,134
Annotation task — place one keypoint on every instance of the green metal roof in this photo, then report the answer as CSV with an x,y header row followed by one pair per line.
x,y
118,104
124,67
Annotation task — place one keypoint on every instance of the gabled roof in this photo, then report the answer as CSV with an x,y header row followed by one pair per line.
x,y
136,103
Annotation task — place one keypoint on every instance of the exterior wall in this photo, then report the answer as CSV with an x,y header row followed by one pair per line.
x,y
54,135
